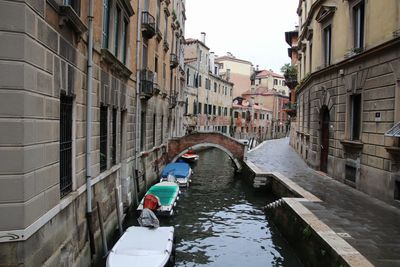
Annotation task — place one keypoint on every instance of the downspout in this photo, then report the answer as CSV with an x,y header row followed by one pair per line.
x,y
89,129
138,107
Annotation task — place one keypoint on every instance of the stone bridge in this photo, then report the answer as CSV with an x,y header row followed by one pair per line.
x,y
233,148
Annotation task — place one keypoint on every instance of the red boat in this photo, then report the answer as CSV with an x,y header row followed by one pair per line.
x,y
190,156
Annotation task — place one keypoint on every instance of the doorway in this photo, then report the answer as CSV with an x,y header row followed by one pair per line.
x,y
324,139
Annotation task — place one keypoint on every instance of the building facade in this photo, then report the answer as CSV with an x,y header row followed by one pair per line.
x,y
274,101
349,93
60,163
209,96
269,79
251,120
237,71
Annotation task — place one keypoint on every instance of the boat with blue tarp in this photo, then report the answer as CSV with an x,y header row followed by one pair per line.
x,y
180,170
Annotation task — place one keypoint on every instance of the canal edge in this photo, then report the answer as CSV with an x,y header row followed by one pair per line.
x,y
300,227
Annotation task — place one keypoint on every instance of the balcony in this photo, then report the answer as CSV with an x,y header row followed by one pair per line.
x,y
172,101
290,109
146,84
148,25
173,61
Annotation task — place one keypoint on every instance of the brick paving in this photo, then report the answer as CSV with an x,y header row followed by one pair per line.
x,y
369,225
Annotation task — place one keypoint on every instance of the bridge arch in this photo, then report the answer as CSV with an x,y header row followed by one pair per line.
x,y
233,148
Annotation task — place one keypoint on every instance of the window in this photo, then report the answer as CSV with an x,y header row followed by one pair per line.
x,y
355,116
226,112
215,87
358,25
106,22
255,116
236,114
210,111
194,107
397,190
144,57
214,110
114,137
154,129
327,45
166,28
199,80
65,145
243,115
206,109
103,137
162,128
117,18
219,111
122,134
275,81
187,77
142,131
156,65
158,15
75,4
267,116
125,27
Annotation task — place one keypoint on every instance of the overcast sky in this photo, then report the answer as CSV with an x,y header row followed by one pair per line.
x,y
253,30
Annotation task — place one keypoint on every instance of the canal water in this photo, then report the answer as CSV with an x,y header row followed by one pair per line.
x,y
219,220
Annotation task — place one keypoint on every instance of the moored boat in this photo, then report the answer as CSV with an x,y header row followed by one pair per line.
x,y
180,170
167,193
145,247
190,156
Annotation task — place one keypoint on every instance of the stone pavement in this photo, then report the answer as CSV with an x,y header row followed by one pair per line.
x,y
369,225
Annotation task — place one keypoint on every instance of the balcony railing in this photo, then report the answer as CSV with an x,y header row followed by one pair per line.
x,y
146,84
173,61
148,25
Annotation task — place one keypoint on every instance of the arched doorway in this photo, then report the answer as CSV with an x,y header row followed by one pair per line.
x,y
324,139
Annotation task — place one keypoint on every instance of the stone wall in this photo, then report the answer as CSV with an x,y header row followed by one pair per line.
x,y
374,75
40,60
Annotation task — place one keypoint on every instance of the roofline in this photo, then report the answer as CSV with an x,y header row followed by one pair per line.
x,y
233,59
193,41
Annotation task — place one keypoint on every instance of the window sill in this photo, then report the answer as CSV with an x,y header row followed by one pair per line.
x,y
116,65
69,17
353,145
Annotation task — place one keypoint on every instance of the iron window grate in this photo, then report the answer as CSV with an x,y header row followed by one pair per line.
x,y
65,145
394,131
103,138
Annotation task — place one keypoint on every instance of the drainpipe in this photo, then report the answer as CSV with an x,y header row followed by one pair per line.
x,y
138,107
89,129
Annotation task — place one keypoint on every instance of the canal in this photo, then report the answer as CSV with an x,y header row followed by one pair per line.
x,y
219,220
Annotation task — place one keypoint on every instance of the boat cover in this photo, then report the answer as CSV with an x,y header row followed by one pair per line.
x,y
179,170
148,219
165,193
141,246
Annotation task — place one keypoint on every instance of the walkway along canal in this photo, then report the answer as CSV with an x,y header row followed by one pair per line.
x,y
219,220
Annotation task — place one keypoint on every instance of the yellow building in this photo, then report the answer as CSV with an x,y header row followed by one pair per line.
x,y
349,92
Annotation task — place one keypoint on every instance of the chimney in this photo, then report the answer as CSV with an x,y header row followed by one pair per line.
x,y
203,37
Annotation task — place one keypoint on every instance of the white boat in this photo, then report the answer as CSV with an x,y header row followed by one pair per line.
x,y
144,247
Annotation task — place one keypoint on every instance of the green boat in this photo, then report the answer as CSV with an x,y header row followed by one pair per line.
x,y
167,193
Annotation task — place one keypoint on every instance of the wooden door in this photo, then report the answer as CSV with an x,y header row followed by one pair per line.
x,y
324,139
